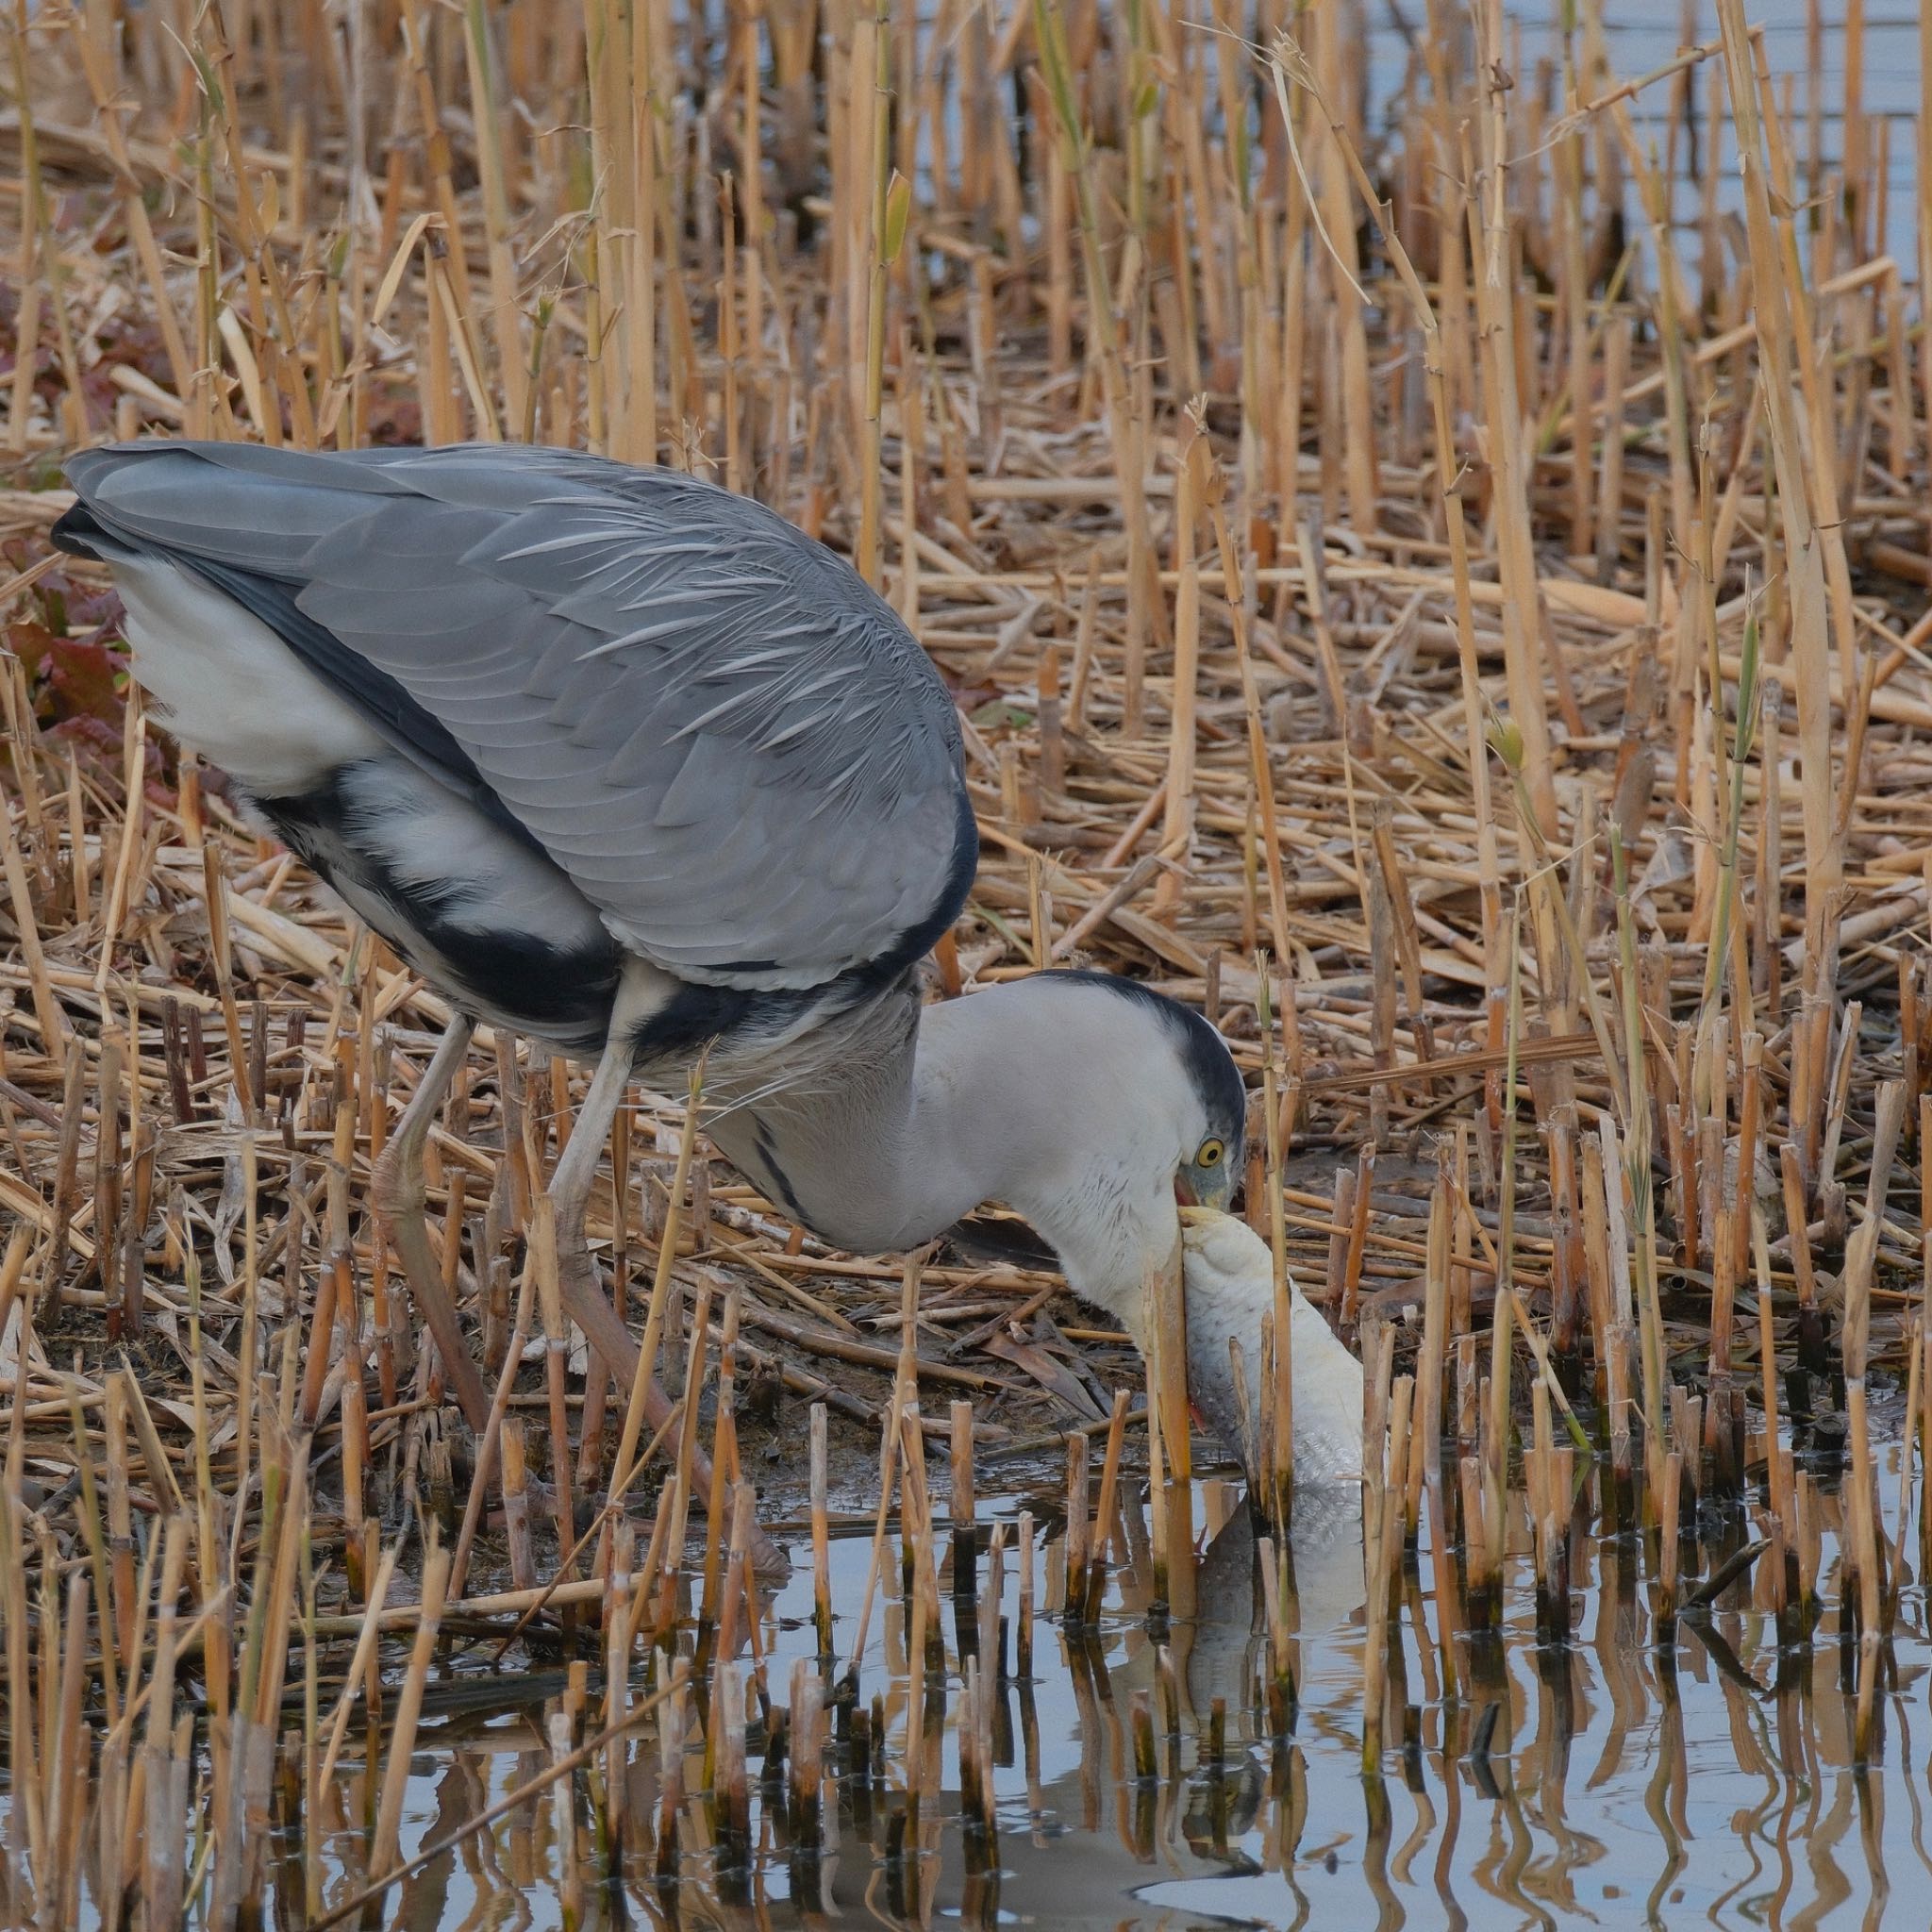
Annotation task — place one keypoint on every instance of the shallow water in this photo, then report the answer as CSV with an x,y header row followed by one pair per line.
x,y
1603,1782
1645,35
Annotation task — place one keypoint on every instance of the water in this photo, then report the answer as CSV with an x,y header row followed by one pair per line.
x,y
1605,1782
1645,35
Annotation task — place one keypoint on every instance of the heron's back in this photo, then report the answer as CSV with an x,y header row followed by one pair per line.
x,y
532,712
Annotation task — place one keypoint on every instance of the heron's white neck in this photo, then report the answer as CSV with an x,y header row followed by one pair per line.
x,y
1024,1094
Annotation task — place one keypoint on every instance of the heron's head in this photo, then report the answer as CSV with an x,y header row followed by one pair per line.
x,y
1189,1095
1209,1087
1134,1108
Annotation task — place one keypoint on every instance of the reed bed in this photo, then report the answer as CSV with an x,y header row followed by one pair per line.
x,y
1443,588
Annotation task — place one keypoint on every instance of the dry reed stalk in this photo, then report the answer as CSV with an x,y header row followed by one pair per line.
x,y
1087,1590
1074,1553
645,1394
385,1854
1924,1435
964,1509
37,249
1809,640
47,1012
1277,1420
715,1589
1022,1635
1164,1320
890,204
1281,1663
905,1401
821,1536
1664,1613
1177,827
805,1751
1486,1552
1145,609
1381,1493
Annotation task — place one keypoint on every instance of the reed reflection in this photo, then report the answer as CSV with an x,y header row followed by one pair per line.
x,y
1028,1715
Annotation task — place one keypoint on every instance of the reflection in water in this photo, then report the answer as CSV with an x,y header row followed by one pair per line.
x,y
1129,1777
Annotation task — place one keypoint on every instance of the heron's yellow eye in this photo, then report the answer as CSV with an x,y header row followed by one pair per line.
x,y
1209,1154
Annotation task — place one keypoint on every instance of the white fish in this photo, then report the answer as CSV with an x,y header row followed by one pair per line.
x,y
1228,1279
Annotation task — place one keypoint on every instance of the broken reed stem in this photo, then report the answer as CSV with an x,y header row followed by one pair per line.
x,y
821,1535
1277,1335
388,1816
1146,621
1637,1177
882,247
644,1380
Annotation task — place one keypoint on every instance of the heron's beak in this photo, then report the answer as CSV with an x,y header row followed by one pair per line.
x,y
1201,1187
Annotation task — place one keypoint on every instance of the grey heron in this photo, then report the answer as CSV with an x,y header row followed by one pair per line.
x,y
630,765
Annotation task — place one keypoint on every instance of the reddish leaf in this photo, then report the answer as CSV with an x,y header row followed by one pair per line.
x,y
72,678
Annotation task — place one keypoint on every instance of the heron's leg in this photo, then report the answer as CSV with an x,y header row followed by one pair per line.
x,y
583,1295
577,1275
399,1195
569,1192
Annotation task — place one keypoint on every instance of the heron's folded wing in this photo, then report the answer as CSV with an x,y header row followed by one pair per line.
x,y
729,744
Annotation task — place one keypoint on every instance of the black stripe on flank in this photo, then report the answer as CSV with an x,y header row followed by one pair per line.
x,y
378,697
421,736
962,865
557,992
696,1015
374,692
788,1195
1007,1239
77,533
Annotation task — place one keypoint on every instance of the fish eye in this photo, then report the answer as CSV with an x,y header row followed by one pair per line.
x,y
1210,1153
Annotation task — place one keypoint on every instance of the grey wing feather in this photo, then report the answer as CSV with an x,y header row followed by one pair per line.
x,y
729,744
